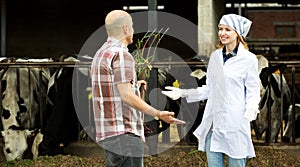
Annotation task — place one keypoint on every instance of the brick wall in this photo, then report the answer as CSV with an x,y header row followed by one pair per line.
x,y
264,22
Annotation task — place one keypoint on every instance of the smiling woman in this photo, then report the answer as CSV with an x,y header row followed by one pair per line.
x,y
232,91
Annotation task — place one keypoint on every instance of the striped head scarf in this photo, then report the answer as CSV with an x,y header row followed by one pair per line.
x,y
239,23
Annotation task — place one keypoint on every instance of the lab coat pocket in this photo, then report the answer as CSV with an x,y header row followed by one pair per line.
x,y
233,118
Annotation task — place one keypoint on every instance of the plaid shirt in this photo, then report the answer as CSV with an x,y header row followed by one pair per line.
x,y
112,65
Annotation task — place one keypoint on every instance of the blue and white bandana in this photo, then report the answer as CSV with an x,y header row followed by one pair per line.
x,y
239,23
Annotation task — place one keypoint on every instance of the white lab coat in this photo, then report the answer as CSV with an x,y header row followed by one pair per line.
x,y
230,88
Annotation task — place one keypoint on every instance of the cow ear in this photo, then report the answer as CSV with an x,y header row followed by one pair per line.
x,y
3,133
28,132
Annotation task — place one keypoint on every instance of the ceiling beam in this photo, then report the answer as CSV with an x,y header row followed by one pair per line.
x,y
293,2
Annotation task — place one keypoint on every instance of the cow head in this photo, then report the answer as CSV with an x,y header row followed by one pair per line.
x,y
16,103
20,98
15,142
20,90
263,63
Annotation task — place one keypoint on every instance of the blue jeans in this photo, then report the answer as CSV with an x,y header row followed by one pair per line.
x,y
216,159
125,150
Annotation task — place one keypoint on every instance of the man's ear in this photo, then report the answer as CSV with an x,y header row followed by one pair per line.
x,y
125,28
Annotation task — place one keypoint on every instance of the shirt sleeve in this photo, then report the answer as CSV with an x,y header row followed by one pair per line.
x,y
202,93
198,94
252,85
123,68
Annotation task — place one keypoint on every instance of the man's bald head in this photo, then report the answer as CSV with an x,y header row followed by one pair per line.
x,y
115,20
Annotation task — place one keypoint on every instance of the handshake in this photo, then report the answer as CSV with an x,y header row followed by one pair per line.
x,y
175,93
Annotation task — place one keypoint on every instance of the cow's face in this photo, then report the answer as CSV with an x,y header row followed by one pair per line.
x,y
12,103
15,143
263,76
263,63
19,108
19,100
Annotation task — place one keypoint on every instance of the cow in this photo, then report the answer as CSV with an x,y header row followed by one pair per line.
x,y
20,105
159,79
69,106
261,123
288,131
21,108
183,76
190,112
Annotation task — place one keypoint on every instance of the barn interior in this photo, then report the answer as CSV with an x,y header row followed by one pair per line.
x,y
49,29
38,29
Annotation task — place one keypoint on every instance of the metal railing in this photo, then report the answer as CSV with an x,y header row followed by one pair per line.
x,y
43,97
292,66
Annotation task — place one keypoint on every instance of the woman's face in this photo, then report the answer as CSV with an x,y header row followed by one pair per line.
x,y
227,35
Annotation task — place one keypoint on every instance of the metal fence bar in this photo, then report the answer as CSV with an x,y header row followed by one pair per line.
x,y
289,64
293,107
1,75
90,110
31,94
269,114
281,107
41,104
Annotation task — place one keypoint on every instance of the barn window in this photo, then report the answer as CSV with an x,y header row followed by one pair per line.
x,y
285,31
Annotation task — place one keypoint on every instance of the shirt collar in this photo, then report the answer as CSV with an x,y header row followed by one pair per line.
x,y
232,53
116,42
229,55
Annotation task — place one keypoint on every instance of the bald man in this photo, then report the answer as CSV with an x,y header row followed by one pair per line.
x,y
118,108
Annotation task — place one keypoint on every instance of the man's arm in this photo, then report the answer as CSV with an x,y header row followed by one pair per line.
x,y
136,102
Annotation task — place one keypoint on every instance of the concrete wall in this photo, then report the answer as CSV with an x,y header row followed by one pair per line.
x,y
209,13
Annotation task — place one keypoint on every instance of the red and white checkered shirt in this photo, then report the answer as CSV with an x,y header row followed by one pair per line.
x,y
112,65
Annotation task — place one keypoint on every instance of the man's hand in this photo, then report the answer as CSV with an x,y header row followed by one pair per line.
x,y
169,118
142,83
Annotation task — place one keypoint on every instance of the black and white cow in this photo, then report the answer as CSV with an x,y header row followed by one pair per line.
x,y
261,123
185,77
190,112
20,90
288,131
68,92
21,108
